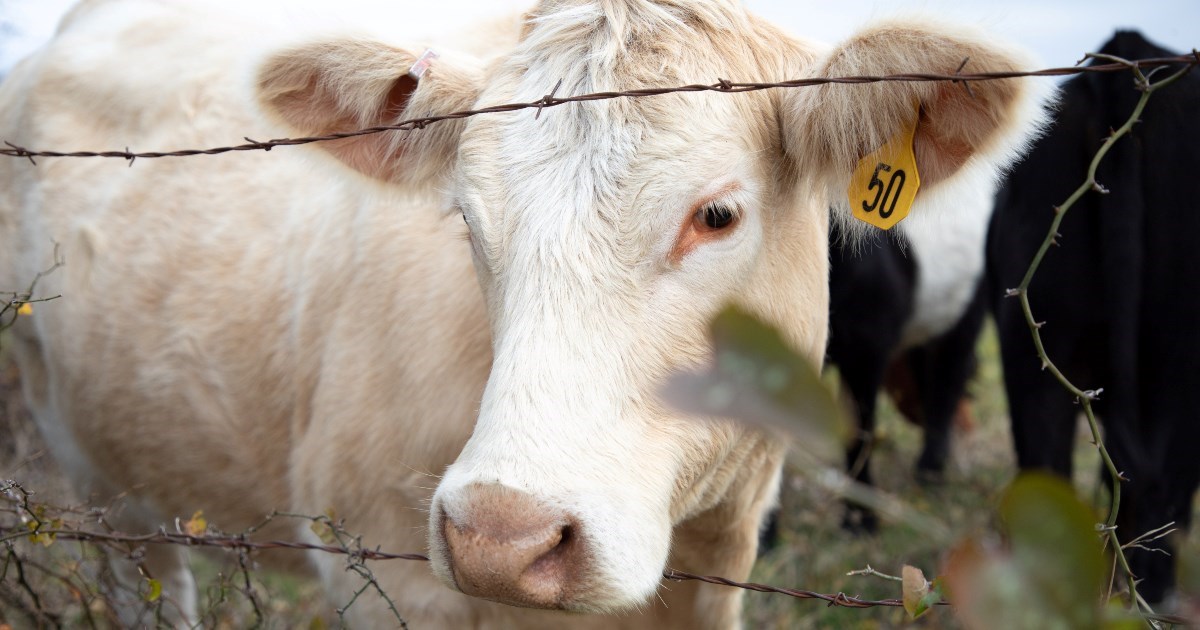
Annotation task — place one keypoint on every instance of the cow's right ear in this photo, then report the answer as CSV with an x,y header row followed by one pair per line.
x,y
350,84
987,125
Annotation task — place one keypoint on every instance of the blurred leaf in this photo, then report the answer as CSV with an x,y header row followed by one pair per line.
x,y
1051,572
155,591
915,588
38,535
197,526
1054,543
1118,617
756,378
317,623
324,530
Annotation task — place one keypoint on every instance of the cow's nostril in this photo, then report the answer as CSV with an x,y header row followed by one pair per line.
x,y
506,546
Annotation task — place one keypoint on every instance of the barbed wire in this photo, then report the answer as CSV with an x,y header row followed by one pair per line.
x,y
242,542
44,529
551,100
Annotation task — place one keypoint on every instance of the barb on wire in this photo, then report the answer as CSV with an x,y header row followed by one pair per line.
x,y
550,100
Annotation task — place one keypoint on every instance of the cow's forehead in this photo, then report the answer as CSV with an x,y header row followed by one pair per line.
x,y
592,160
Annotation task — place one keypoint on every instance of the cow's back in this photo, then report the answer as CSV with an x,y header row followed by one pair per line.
x,y
264,324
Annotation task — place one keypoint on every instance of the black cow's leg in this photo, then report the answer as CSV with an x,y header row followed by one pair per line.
x,y
863,379
1161,493
1043,413
942,368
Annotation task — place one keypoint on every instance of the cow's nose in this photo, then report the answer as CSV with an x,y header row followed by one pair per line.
x,y
506,546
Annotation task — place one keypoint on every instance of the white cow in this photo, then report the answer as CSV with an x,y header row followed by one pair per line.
x,y
494,300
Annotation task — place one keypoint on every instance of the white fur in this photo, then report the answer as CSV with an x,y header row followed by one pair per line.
x,y
949,255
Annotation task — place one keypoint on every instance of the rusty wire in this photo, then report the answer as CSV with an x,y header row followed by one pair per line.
x,y
242,542
550,100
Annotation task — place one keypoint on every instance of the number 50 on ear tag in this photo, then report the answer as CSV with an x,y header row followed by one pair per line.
x,y
885,182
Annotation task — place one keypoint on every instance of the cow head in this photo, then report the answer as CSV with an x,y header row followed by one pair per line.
x,y
606,234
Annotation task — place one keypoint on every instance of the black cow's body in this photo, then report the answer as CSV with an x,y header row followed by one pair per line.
x,y
1120,296
872,299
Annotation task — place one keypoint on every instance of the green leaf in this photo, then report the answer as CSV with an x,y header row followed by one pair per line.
x,y
936,593
1054,547
756,378
1054,539
155,591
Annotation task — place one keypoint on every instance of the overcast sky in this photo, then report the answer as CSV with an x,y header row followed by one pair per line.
x,y
1057,31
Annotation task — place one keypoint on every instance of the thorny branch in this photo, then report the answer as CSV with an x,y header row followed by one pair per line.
x,y
1086,398
12,307
349,546
550,100
356,552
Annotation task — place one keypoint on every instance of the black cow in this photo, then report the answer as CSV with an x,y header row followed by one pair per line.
x,y
1120,295
873,304
878,320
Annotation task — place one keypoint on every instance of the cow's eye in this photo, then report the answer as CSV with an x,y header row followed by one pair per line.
x,y
716,216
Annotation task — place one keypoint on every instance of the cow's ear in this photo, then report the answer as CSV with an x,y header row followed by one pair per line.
x,y
349,84
831,127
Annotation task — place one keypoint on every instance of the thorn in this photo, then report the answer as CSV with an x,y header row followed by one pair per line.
x,y
547,99
1038,325
1045,364
1012,293
1096,186
1058,210
1121,476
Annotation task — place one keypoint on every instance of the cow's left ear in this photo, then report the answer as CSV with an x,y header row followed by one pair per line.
x,y
350,84
829,128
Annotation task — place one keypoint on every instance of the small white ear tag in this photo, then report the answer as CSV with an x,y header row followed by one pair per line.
x,y
885,182
422,64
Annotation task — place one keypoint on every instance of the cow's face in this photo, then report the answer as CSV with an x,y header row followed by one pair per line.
x,y
605,235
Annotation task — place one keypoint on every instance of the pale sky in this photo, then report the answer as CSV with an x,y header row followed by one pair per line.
x,y
1056,31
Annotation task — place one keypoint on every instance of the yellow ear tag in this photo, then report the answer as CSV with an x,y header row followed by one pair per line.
x,y
885,182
